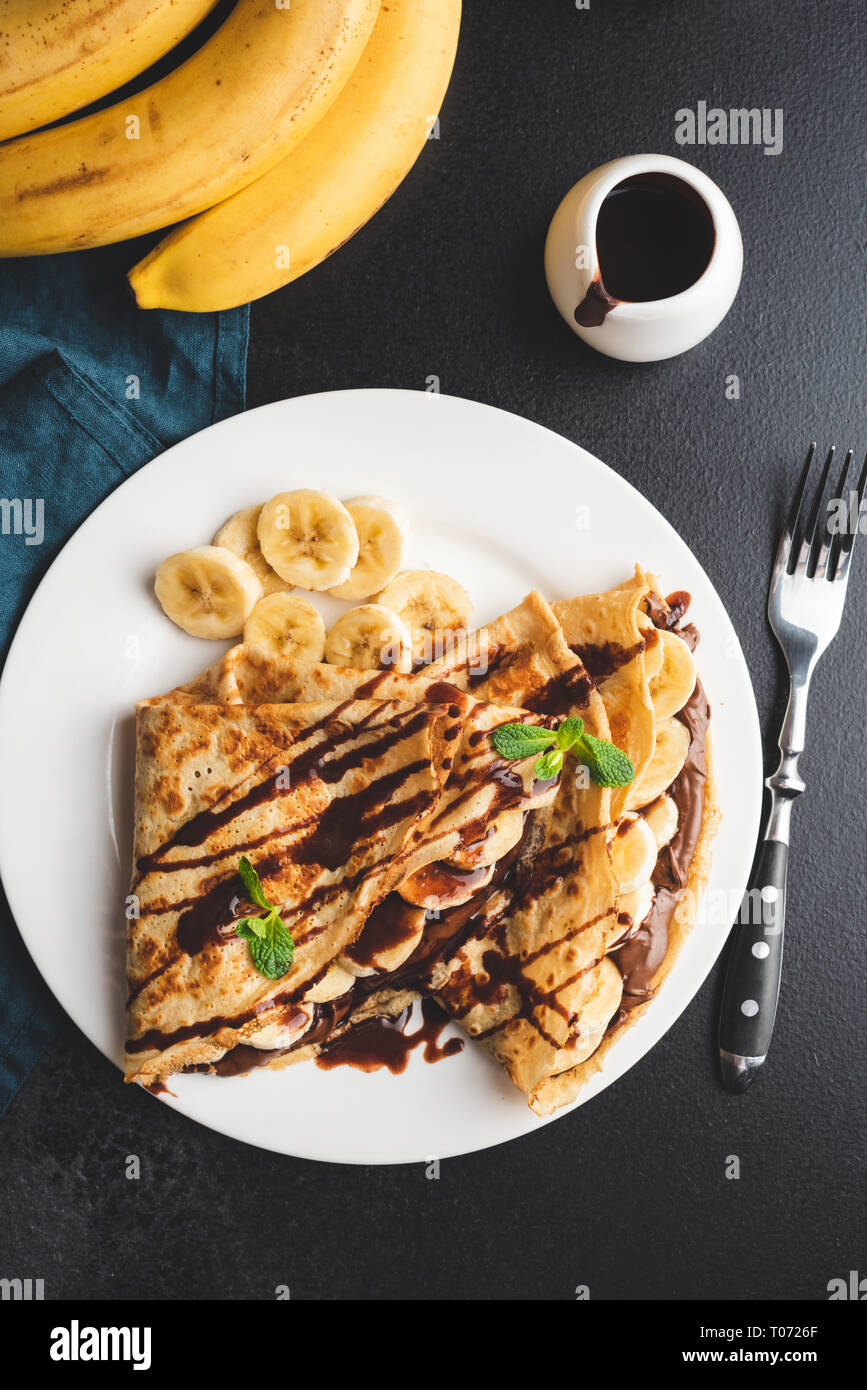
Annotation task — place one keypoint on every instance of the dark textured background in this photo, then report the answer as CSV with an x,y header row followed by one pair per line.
x,y
628,1194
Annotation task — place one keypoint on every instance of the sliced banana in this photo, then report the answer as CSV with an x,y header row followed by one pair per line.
x,y
437,886
209,591
595,1017
662,819
286,626
434,606
309,538
334,982
275,1035
495,840
633,852
370,637
387,956
635,907
653,649
382,532
241,535
359,972
672,687
669,756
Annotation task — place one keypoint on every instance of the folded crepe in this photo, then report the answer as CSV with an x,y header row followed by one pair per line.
x,y
619,645
630,638
509,901
480,815
565,950
524,979
324,799
520,962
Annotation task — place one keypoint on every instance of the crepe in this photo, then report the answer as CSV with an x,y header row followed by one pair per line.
x,y
554,965
324,799
619,646
474,801
617,634
549,957
523,978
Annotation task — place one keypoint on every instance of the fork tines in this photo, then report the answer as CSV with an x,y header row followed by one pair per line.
x,y
820,549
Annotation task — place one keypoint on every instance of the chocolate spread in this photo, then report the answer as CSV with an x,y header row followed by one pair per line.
x,y
642,956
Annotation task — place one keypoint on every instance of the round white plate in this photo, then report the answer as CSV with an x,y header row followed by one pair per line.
x,y
502,504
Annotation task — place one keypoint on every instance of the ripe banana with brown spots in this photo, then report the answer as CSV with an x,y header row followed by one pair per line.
x,y
325,190
56,58
227,115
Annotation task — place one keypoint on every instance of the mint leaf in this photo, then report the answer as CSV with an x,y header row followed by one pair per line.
x,y
252,883
549,765
248,927
273,954
515,741
271,946
569,732
608,765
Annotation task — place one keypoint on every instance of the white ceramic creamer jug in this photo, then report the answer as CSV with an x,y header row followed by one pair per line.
x,y
644,257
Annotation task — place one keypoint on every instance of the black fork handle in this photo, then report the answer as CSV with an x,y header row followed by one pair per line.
x,y
752,983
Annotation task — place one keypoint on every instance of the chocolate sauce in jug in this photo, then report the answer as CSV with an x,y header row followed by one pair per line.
x,y
654,238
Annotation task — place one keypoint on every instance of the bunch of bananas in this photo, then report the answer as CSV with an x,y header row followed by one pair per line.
x,y
279,138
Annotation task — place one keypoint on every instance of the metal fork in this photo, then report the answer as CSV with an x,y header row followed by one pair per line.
x,y
805,605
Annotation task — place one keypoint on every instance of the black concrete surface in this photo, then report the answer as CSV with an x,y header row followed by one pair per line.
x,y
628,1195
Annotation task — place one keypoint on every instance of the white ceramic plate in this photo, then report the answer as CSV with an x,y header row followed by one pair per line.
x,y
502,504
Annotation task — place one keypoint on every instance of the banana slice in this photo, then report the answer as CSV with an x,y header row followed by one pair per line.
x,y
309,538
382,531
370,638
209,592
632,908
382,955
654,651
662,819
495,840
672,687
334,982
669,756
275,1035
595,1017
438,886
240,534
286,626
434,607
633,852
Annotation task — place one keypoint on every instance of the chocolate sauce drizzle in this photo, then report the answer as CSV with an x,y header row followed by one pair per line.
x,y
523,871
384,1042
444,932
524,874
326,841
389,925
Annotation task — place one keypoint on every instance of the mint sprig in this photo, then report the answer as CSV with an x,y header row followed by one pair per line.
x,y
521,740
607,764
271,946
549,765
252,883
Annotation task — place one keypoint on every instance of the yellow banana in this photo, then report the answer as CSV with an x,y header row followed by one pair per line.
x,y
291,218
229,113
57,58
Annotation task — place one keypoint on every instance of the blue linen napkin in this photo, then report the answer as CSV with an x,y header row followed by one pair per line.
x,y
91,388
